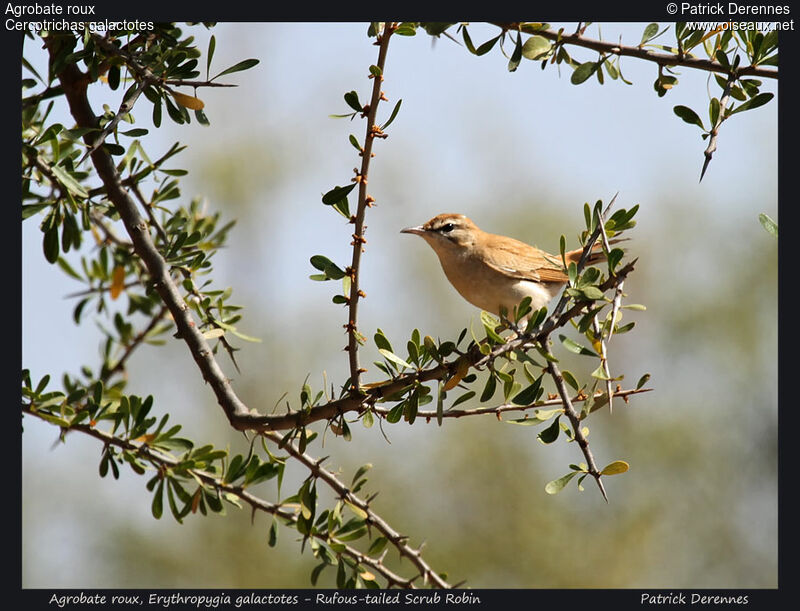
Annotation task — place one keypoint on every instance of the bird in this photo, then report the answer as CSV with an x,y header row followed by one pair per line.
x,y
494,272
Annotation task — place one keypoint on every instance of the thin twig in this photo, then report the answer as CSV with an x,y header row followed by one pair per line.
x,y
662,59
124,108
135,178
497,410
575,420
185,83
148,208
358,235
395,538
604,359
714,133
135,343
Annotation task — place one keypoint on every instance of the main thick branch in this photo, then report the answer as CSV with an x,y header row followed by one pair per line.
x,y
74,84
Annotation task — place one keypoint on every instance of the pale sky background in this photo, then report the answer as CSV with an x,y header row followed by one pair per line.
x,y
519,153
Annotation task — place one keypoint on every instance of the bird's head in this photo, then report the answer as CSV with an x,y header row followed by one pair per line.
x,y
447,232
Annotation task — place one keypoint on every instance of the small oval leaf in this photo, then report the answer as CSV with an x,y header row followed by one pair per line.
x,y
615,468
188,101
557,485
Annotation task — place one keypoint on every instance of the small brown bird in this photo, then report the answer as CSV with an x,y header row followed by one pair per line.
x,y
491,270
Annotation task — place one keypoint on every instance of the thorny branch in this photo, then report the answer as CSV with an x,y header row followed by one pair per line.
x,y
161,461
74,84
714,133
429,576
364,200
662,59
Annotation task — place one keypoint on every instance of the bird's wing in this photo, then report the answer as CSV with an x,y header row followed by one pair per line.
x,y
519,260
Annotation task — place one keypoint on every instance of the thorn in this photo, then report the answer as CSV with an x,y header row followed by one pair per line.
x,y
705,166
600,485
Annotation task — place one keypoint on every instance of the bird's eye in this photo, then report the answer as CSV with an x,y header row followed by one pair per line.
x,y
447,228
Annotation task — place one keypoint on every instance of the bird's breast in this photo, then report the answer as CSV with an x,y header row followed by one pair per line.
x,y
488,289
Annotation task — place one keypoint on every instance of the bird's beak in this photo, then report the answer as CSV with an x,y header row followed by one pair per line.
x,y
418,230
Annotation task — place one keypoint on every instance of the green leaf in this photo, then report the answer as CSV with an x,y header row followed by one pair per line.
x,y
583,72
557,485
754,102
572,273
72,185
600,373
768,224
157,506
575,347
465,397
614,468
536,47
50,244
611,69
212,44
440,404
406,29
135,133
489,323
539,416
367,419
330,269
614,257
530,394
351,97
377,546
713,111
412,406
688,115
157,113
394,358
62,263
273,533
642,381
468,41
393,115
381,341
487,46
516,55
242,65
489,389
360,472
650,31
30,209
722,58
570,379
335,195
435,28
592,292
396,413
550,434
